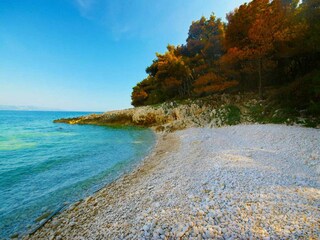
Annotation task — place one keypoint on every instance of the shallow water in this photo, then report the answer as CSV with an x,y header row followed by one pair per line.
x,y
45,165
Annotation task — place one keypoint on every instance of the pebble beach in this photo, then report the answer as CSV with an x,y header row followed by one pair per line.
x,y
239,182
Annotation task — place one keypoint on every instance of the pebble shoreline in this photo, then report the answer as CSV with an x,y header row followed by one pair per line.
x,y
239,182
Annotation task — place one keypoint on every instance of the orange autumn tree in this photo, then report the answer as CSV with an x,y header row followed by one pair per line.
x,y
271,30
212,82
204,48
234,63
138,96
265,42
267,26
173,73
169,77
141,92
186,70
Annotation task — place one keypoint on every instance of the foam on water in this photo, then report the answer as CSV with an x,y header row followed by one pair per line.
x,y
43,165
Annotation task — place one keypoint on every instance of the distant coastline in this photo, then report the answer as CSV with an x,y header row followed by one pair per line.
x,y
25,108
41,109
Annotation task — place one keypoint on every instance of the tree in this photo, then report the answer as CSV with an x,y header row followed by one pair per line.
x,y
173,73
211,82
266,28
310,12
265,42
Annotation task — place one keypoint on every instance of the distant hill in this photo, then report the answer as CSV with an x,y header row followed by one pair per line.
x,y
25,108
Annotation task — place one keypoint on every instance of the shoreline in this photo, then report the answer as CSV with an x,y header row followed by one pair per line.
x,y
207,183
67,206
144,166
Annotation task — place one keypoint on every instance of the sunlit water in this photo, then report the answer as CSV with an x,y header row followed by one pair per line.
x,y
45,165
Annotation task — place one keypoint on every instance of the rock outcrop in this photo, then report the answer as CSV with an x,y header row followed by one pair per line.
x,y
212,111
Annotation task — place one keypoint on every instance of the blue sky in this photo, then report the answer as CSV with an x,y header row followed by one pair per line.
x,y
88,54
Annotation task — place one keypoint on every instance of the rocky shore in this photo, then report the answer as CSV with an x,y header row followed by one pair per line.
x,y
171,116
239,182
212,111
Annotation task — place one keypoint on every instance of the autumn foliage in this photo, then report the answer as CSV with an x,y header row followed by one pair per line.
x,y
211,82
263,43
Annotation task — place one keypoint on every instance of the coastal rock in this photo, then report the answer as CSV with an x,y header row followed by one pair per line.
x,y
169,117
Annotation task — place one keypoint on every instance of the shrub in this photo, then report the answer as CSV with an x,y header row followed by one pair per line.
x,y
233,115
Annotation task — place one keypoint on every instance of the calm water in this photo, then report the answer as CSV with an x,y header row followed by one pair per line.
x,y
44,165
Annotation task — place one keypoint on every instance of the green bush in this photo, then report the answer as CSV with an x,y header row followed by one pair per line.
x,y
233,115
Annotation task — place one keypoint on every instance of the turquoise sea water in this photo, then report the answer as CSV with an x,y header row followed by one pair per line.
x,y
44,165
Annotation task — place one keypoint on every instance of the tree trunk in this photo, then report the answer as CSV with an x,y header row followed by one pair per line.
x,y
260,79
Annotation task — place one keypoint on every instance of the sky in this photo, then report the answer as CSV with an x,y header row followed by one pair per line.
x,y
86,55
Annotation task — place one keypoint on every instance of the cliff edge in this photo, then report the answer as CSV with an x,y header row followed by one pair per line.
x,y
213,111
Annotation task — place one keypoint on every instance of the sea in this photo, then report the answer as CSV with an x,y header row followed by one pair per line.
x,y
46,166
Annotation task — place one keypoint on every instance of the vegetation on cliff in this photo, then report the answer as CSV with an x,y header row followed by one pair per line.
x,y
261,66
263,44
212,111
